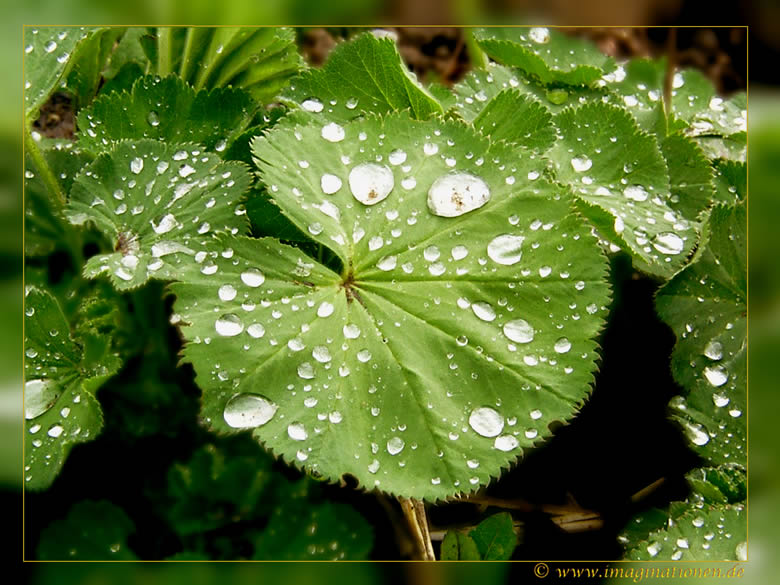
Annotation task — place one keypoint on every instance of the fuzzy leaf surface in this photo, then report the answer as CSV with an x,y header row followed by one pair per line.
x,y
618,173
433,359
546,54
60,407
168,110
363,75
150,199
706,307
514,117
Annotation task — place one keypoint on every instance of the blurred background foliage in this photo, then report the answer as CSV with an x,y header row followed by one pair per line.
x,y
143,408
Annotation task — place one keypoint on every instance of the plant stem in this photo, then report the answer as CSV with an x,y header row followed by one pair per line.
x,y
414,512
163,51
44,171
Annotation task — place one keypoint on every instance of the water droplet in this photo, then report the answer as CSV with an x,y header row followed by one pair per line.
x,y
682,542
137,165
312,105
333,132
562,345
185,171
430,148
459,252
330,184
325,309
581,163
321,354
246,411
395,445
484,311
229,325
387,263
457,193
39,396
351,103
397,157
297,432
486,421
296,344
714,350
49,46
153,119
653,548
668,243
227,292
536,414
506,443
741,551
539,35
635,193
431,253
351,331
697,434
505,249
31,352
253,277
373,467
221,145
166,224
678,81
435,480
370,183
409,183
55,430
519,331
364,355
716,376
306,371
256,330
720,400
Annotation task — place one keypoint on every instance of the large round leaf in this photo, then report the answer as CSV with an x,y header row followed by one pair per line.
x,y
444,347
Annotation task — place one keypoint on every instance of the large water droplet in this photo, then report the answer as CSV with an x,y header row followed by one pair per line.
x,y
166,224
395,445
137,165
505,249
229,325
387,263
506,443
697,434
39,396
519,331
330,184
253,277
539,35
370,183
716,376
486,421
714,350
297,432
635,193
351,331
457,193
581,163
333,132
256,330
306,371
562,345
312,105
321,354
325,309
227,292
55,430
246,411
397,157
668,243
484,311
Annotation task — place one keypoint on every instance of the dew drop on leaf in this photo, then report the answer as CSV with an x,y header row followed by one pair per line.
x,y
716,376
387,263
519,331
505,443
457,193
321,354
227,292
325,309
370,183
697,434
486,421
306,371
635,193
562,345
297,432
395,445
397,157
253,277
245,411
330,184
55,430
229,325
137,165
312,105
668,243
256,330
505,249
351,331
714,350
153,119
539,35
581,163
484,311
39,396
333,132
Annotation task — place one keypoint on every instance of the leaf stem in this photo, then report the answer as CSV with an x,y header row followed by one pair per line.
x,y
163,51
416,518
44,170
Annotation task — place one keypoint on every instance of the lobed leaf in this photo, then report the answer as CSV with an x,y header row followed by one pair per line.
x,y
545,54
619,175
690,176
639,86
167,110
59,402
360,76
495,537
706,307
445,346
513,117
49,53
153,201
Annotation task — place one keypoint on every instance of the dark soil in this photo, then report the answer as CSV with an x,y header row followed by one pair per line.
x,y
57,119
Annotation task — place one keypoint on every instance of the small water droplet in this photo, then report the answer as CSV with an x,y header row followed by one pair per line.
x,y
50,46
137,165
297,432
397,157
716,376
539,35
505,249
330,184
395,445
253,277
256,330
635,193
506,443
321,354
312,105
325,309
333,132
697,434
668,243
562,345
387,263
486,421
306,371
229,325
351,331
519,331
227,292
245,411
581,163
484,311
153,119
714,350
55,430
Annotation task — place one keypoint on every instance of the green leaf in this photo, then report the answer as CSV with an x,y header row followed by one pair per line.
x,y
217,486
479,88
259,60
87,71
60,409
695,102
690,176
733,147
546,54
446,346
639,86
302,530
92,531
457,546
153,200
513,117
706,307
702,532
363,75
619,174
730,181
724,484
49,53
168,110
495,537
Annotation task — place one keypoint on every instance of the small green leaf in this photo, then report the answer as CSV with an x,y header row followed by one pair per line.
x,y
168,110
639,87
546,54
690,176
153,200
619,174
495,537
723,484
706,307
302,530
732,147
87,71
60,409
92,531
695,102
457,546
730,181
446,345
363,75
49,53
514,117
